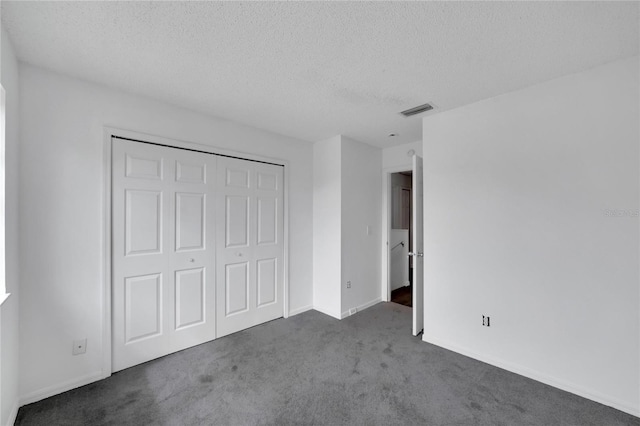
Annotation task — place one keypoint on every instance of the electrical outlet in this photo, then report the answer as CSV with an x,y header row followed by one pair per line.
x,y
353,311
486,321
348,284
79,347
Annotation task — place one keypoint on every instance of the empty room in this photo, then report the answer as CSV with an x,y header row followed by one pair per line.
x,y
331,213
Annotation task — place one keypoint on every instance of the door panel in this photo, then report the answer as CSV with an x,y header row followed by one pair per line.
x,y
143,223
238,178
190,221
190,297
147,167
191,173
143,307
267,181
236,288
417,247
267,281
249,259
237,221
163,250
267,220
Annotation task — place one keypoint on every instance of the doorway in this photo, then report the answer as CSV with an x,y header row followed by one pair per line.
x,y
396,241
400,264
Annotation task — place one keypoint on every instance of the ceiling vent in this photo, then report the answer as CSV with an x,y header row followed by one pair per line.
x,y
417,110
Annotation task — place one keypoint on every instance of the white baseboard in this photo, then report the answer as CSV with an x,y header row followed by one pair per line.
x,y
326,312
43,393
362,307
297,311
13,415
538,376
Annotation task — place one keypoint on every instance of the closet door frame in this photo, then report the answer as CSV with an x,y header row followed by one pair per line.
x,y
108,134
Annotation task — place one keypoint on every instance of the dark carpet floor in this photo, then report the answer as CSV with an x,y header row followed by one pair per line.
x,y
402,295
312,369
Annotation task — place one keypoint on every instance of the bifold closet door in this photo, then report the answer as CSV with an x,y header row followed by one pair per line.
x,y
163,250
250,249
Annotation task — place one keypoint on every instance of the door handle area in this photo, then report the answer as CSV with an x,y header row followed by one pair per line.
x,y
419,254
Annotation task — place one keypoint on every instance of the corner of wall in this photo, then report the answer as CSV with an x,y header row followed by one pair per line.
x,y
9,312
327,222
361,214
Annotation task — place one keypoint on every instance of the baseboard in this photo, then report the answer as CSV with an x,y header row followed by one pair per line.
x,y
369,304
538,376
362,307
297,311
43,393
326,312
13,415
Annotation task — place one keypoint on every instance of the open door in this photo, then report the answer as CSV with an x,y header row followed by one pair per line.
x,y
418,248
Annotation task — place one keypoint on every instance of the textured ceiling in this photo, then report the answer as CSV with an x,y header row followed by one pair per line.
x,y
312,70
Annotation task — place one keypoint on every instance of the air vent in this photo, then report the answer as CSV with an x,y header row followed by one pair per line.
x,y
417,110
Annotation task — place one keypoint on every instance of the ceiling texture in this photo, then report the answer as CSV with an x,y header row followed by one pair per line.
x,y
312,70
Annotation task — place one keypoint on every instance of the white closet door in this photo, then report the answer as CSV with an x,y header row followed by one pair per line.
x,y
163,250
250,247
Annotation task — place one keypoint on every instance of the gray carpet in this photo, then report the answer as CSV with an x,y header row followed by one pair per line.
x,y
312,369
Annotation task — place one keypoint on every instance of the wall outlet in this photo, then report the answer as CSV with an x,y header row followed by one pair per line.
x,y
348,284
368,230
486,321
353,311
79,347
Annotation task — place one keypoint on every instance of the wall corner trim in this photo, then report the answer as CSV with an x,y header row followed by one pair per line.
x,y
4,297
13,415
362,307
297,311
327,312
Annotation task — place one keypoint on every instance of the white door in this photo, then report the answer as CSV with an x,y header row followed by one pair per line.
x,y
417,247
163,259
250,247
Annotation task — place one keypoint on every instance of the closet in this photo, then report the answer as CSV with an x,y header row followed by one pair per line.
x,y
197,248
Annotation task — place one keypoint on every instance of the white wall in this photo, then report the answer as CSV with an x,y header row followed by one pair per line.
x,y
396,156
347,199
9,360
62,207
361,208
327,222
517,190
